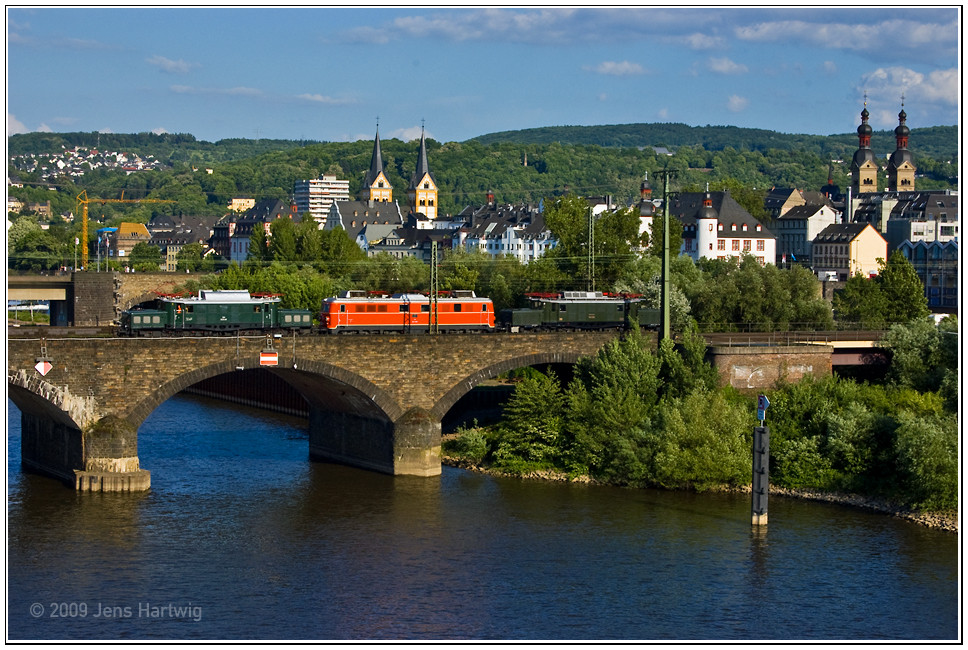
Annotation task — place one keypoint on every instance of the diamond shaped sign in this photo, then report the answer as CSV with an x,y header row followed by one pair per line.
x,y
43,367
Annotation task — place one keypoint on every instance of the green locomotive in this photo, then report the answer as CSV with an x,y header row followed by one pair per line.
x,y
579,310
215,312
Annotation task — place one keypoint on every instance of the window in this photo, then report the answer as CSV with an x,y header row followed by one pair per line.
x,y
760,245
746,245
721,244
735,244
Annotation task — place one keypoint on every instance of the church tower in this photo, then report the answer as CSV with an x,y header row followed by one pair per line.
x,y
863,168
376,187
900,167
423,188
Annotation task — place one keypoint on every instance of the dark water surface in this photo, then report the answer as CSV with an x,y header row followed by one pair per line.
x,y
242,537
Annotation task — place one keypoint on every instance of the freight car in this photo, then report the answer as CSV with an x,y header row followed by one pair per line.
x,y
579,310
215,312
358,311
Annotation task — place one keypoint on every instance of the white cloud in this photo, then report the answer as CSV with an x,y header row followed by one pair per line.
x,y
15,126
724,65
159,131
323,99
237,90
897,39
408,134
937,90
735,103
43,128
704,41
829,67
175,67
617,68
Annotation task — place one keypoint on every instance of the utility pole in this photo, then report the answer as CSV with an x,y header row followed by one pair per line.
x,y
591,250
434,327
665,328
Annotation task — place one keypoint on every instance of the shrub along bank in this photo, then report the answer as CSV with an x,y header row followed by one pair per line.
x,y
631,416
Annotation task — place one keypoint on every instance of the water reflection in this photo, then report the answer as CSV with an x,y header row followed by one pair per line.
x,y
271,545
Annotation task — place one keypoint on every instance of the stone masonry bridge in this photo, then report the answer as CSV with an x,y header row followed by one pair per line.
x,y
374,401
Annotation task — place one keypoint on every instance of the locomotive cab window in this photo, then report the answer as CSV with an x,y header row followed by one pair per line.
x,y
457,307
256,309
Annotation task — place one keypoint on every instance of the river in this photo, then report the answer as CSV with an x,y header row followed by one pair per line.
x,y
242,537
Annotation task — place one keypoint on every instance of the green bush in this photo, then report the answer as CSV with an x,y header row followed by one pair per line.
x,y
927,460
470,445
702,441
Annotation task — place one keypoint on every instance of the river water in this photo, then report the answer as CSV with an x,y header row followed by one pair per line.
x,y
242,537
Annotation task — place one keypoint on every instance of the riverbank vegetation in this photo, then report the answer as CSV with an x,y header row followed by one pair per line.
x,y
642,417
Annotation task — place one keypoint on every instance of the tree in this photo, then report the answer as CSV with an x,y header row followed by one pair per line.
x,y
282,245
532,421
146,257
190,257
259,245
860,303
923,355
903,291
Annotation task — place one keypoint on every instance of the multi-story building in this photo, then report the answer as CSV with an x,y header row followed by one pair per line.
x,y
843,250
315,196
127,236
936,263
715,226
796,229
923,216
240,204
517,231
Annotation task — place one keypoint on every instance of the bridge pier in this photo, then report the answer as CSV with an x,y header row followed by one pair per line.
x,y
102,459
409,446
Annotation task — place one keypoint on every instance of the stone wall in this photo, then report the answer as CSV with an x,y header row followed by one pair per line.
x,y
93,298
134,288
763,367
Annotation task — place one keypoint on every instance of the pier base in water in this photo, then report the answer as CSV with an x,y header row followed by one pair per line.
x,y
137,481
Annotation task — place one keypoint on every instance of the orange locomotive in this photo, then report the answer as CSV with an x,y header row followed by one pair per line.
x,y
355,311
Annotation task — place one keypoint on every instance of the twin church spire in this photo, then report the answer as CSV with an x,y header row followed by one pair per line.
x,y
900,166
422,191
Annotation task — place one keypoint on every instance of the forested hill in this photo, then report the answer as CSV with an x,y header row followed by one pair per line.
x,y
169,148
937,142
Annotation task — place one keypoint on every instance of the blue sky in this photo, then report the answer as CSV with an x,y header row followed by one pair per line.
x,y
331,73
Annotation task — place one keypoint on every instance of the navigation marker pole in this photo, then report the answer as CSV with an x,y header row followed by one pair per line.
x,y
761,464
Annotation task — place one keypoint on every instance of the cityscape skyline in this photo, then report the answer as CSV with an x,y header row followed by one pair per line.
x,y
335,74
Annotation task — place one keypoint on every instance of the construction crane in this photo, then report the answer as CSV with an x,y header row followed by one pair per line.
x,y
83,200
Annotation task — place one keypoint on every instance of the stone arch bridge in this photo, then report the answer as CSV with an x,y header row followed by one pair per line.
x,y
374,401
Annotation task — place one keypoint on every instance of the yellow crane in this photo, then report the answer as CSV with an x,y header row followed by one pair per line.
x,y
83,200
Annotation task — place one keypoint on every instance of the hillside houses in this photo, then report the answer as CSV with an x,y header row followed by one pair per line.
x,y
77,161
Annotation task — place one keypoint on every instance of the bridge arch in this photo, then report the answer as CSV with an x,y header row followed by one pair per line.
x,y
468,383
322,385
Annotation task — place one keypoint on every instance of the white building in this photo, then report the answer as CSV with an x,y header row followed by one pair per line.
x,y
715,226
315,196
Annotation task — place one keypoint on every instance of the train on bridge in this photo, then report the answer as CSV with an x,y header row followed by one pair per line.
x,y
230,312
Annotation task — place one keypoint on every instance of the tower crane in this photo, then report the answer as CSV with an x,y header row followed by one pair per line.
x,y
83,200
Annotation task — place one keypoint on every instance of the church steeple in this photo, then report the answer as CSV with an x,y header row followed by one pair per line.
x,y
864,168
376,187
423,188
900,167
